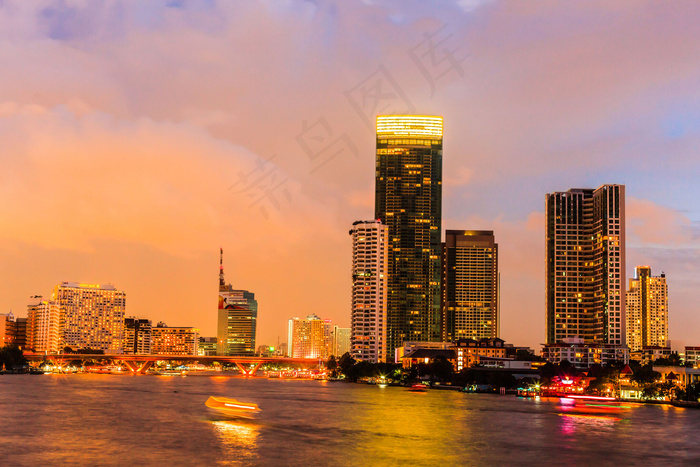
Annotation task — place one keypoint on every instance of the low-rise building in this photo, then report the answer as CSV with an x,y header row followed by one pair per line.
x,y
692,356
469,351
423,355
174,340
409,347
582,355
650,353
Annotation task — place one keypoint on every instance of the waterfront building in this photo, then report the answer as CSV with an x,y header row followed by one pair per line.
x,y
341,341
583,355
92,316
207,346
5,328
309,337
426,355
650,353
692,356
43,318
370,245
470,351
137,336
470,285
16,332
585,264
237,318
647,310
408,200
407,347
167,340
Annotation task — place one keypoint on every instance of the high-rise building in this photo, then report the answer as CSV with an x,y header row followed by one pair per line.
x,y
341,341
408,199
237,317
470,308
309,337
207,346
370,245
167,340
7,321
585,264
137,336
16,332
647,310
92,316
43,318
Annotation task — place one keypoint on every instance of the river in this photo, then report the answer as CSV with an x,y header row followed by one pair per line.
x,y
88,419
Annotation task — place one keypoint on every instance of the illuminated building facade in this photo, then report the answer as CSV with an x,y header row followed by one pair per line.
x,y
43,318
408,200
92,316
692,356
237,319
6,323
370,245
583,355
469,351
340,341
585,264
309,337
470,306
5,318
650,353
647,310
137,336
207,346
174,340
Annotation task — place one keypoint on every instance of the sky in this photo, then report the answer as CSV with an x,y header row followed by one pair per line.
x,y
137,138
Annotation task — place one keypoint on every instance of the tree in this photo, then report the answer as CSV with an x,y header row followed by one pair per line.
x,y
645,375
331,364
347,365
12,357
441,369
672,360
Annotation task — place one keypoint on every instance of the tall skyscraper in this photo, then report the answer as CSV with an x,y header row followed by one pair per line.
x,y
470,285
309,337
647,310
370,249
92,316
237,318
585,263
42,325
408,199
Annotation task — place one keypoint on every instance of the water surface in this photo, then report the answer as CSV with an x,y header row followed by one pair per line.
x,y
156,420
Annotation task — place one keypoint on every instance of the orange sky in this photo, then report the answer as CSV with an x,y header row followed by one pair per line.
x,y
138,138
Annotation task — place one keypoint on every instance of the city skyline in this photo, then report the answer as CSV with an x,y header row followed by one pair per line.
x,y
133,176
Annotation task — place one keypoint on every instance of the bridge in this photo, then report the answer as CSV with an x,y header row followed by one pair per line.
x,y
139,364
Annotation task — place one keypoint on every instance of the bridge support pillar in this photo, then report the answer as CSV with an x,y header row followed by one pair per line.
x,y
248,371
139,368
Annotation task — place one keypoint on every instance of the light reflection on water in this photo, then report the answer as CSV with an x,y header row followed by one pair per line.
x,y
121,419
240,440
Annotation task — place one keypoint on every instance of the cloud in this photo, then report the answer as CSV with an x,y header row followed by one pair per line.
x,y
650,224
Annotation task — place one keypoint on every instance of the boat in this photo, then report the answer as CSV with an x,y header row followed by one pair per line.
x,y
418,387
231,407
